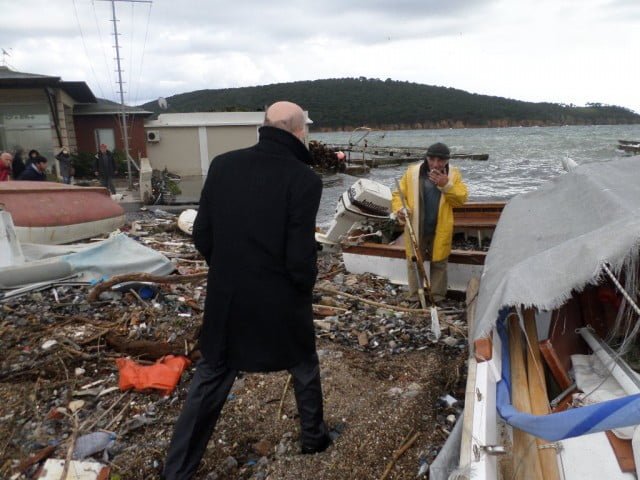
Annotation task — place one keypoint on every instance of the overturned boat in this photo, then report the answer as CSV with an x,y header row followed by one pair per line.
x,y
552,391
362,222
55,213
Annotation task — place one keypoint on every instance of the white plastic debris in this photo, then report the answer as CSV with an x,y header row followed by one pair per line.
x,y
48,344
87,470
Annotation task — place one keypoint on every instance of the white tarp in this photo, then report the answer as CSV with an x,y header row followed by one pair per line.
x,y
553,240
90,262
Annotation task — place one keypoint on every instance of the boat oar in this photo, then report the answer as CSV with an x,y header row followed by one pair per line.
x,y
418,268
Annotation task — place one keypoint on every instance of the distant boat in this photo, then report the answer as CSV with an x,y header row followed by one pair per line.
x,y
629,146
55,213
470,156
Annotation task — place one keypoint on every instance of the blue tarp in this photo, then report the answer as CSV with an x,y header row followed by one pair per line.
x,y
621,412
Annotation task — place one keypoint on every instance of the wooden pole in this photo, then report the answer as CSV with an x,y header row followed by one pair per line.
x,y
538,393
526,463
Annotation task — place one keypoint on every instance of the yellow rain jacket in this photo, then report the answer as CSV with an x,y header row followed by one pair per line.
x,y
454,194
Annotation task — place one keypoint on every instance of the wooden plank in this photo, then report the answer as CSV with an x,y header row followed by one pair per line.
x,y
526,463
538,393
623,451
555,365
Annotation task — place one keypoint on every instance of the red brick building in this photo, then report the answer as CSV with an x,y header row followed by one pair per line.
x,y
101,123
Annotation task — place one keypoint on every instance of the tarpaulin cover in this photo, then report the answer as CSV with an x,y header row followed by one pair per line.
x,y
90,262
553,240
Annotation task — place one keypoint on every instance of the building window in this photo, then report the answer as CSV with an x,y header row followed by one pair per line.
x,y
26,127
106,136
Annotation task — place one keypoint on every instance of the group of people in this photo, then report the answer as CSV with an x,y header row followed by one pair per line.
x,y
262,256
13,167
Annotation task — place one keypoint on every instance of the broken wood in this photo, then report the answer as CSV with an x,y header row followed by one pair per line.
x,y
538,394
526,463
142,277
408,442
144,349
555,365
390,307
284,393
36,458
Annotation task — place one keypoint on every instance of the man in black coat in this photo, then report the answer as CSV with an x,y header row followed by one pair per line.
x,y
256,229
105,168
35,170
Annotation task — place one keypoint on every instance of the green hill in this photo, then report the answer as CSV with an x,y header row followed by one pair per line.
x,y
346,103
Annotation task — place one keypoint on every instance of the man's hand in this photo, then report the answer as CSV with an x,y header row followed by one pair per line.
x,y
401,216
438,178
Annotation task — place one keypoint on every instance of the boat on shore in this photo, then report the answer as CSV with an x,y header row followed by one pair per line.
x,y
365,208
474,224
55,213
551,392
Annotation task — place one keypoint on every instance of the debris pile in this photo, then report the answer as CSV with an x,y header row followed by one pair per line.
x,y
326,159
63,408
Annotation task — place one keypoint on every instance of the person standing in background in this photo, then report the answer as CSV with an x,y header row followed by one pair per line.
x,y
5,166
36,170
66,165
17,166
105,168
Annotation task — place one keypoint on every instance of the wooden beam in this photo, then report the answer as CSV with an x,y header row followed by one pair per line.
x,y
526,463
538,393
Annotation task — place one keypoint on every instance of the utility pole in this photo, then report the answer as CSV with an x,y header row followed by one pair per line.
x,y
125,134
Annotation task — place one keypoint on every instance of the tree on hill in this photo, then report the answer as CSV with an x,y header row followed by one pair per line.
x,y
346,103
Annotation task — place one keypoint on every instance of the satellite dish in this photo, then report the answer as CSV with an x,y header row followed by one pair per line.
x,y
162,103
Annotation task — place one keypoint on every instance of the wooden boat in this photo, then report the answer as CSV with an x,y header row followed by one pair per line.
x,y
550,393
474,220
55,213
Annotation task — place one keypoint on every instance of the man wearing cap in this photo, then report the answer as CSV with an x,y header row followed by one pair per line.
x,y
431,189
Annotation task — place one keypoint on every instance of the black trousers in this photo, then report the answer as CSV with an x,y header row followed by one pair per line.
x,y
207,394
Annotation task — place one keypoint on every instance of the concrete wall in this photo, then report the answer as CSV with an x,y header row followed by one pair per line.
x,y
178,150
188,151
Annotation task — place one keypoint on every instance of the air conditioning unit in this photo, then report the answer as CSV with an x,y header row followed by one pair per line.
x,y
153,136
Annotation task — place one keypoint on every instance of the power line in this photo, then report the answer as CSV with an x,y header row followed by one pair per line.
x,y
144,47
104,54
86,52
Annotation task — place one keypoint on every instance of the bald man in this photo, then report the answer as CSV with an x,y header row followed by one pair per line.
x,y
5,166
256,229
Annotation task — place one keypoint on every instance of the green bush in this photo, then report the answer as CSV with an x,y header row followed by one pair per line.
x,y
84,163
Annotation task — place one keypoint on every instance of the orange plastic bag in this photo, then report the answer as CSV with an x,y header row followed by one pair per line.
x,y
164,375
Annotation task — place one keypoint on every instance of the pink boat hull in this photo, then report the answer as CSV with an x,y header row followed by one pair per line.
x,y
55,213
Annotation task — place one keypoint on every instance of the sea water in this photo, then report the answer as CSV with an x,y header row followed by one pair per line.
x,y
520,158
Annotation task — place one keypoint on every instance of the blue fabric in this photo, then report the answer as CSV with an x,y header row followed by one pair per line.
x,y
618,413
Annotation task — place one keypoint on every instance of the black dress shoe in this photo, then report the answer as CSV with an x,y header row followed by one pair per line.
x,y
324,444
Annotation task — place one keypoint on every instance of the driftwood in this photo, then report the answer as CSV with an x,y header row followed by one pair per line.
x,y
142,277
406,445
144,349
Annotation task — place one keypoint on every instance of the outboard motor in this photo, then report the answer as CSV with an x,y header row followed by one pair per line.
x,y
365,202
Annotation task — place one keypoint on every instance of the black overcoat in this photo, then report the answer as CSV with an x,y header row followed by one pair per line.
x,y
256,228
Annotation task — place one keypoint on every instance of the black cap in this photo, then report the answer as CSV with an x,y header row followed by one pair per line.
x,y
438,150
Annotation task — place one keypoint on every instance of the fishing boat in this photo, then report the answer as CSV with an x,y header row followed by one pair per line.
x,y
365,208
55,213
551,392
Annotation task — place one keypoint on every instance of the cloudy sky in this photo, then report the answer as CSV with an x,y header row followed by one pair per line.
x,y
565,51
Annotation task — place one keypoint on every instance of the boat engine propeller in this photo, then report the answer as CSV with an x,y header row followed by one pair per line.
x,y
364,204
